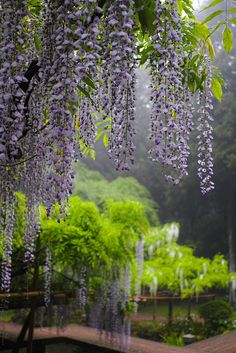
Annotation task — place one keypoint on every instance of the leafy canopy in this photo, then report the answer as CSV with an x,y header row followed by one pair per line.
x,y
173,267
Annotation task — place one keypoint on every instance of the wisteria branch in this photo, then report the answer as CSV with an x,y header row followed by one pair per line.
x,y
18,163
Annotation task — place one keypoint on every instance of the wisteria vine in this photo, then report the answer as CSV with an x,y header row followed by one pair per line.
x,y
79,64
171,113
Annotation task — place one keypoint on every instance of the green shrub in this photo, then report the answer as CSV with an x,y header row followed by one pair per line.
x,y
147,329
184,326
217,316
174,340
163,332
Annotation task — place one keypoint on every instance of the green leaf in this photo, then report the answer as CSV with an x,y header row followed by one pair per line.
x,y
232,9
89,82
213,3
194,82
218,74
37,43
105,141
85,92
232,20
45,113
180,7
72,105
210,47
200,30
99,135
212,15
71,110
35,7
92,154
185,7
216,88
194,59
145,54
146,14
227,39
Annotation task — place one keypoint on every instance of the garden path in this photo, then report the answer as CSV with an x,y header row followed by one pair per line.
x,y
219,344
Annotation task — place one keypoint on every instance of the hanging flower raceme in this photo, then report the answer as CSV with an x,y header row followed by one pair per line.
x,y
13,63
61,82
186,126
13,58
118,75
48,277
170,123
205,158
7,242
72,55
81,297
126,327
32,229
61,316
88,55
109,310
140,259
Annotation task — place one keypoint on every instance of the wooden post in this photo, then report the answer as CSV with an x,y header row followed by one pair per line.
x,y
31,328
21,336
154,309
189,308
29,322
34,301
170,312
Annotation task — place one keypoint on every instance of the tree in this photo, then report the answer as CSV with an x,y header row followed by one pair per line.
x,y
91,185
174,268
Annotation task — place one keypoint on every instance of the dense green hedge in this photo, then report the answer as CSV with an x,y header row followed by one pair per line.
x,y
217,315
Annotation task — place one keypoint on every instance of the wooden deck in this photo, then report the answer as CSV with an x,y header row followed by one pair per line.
x,y
76,334
219,344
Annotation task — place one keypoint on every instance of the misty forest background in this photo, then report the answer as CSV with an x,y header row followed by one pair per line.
x,y
208,222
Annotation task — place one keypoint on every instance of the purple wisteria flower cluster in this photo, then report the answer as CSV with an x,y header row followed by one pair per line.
x,y
110,308
13,64
7,249
171,113
205,149
48,277
140,260
88,56
118,76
